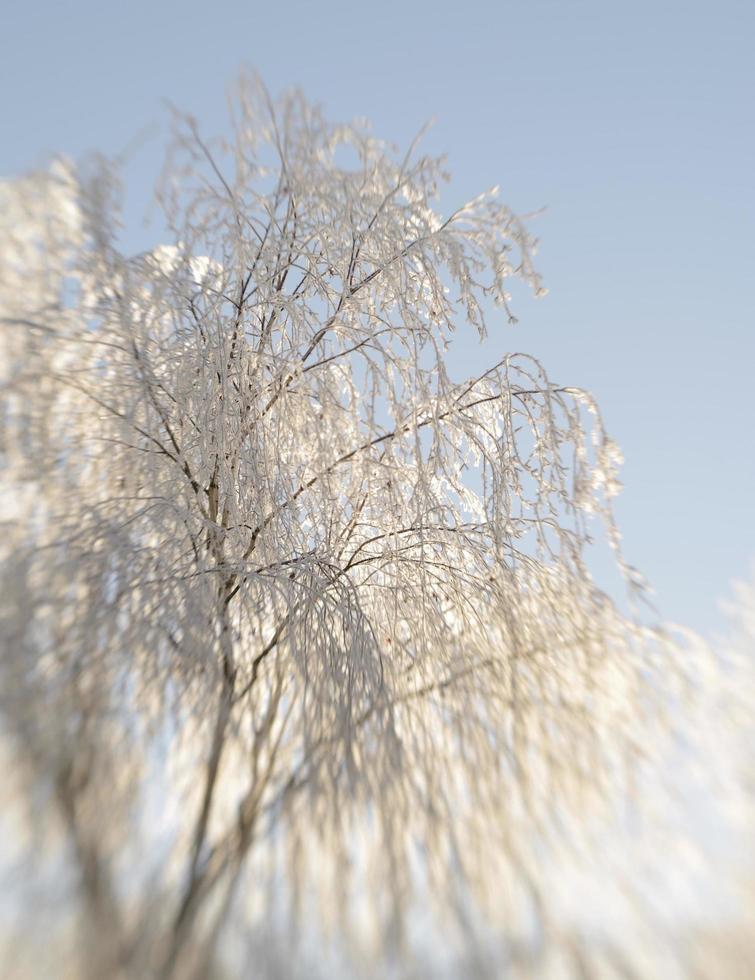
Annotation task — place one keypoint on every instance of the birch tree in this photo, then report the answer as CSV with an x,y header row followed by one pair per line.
x,y
302,653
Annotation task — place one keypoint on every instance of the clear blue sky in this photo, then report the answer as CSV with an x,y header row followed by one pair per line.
x,y
633,122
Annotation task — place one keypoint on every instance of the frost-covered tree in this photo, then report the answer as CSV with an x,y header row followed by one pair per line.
x,y
302,661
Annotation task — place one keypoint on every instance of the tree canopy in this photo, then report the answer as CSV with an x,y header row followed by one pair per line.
x,y
300,636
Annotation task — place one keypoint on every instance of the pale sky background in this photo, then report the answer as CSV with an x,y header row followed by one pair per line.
x,y
632,122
